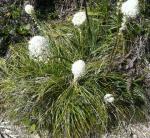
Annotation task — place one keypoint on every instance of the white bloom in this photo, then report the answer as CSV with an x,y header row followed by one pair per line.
x,y
38,48
108,98
78,69
79,18
29,9
130,8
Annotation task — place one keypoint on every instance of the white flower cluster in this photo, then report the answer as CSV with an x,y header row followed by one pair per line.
x,y
78,69
79,18
108,98
29,9
129,9
38,48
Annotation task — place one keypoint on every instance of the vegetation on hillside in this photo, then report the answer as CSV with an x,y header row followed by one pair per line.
x,y
44,96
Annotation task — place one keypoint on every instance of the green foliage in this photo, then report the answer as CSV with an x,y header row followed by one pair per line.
x,y
11,17
44,96
12,24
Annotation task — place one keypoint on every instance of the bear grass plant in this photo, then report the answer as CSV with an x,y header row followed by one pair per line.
x,y
44,95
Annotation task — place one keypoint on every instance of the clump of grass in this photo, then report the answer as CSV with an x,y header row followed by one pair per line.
x,y
44,96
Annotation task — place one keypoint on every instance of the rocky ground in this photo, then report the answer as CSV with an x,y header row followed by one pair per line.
x,y
8,130
139,130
